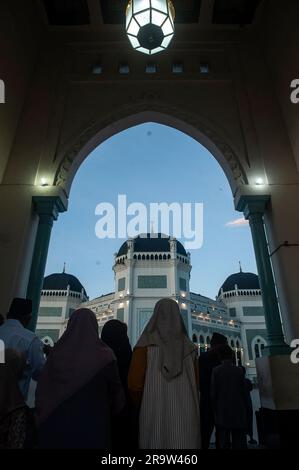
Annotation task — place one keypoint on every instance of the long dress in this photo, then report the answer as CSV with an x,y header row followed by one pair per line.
x,y
169,414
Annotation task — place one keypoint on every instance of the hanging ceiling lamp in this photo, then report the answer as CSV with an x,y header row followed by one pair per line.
x,y
150,24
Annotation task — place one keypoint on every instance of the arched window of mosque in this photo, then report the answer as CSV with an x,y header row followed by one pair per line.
x,y
201,339
258,344
194,338
232,343
238,344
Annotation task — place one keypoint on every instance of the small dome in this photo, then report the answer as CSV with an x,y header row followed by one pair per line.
x,y
243,280
150,243
60,281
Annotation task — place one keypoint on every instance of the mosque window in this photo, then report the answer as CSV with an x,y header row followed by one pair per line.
x,y
152,282
97,69
121,284
151,68
257,345
177,67
120,314
204,68
50,311
183,284
124,69
232,312
194,338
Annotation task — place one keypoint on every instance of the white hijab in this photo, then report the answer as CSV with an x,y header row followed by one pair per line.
x,y
167,330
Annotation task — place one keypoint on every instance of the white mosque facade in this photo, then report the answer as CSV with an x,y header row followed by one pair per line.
x,y
146,269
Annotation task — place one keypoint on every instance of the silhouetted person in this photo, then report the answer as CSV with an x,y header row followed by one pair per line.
x,y
125,423
228,397
163,382
15,335
79,389
1,319
16,420
249,407
206,363
47,349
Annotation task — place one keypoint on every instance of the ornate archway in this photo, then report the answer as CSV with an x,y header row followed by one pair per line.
x,y
149,109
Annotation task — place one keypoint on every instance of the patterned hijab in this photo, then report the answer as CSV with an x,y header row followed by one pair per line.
x,y
75,359
167,331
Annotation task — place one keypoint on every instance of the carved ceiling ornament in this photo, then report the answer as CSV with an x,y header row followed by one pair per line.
x,y
148,102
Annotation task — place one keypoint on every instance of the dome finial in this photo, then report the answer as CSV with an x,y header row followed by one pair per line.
x,y
240,267
63,268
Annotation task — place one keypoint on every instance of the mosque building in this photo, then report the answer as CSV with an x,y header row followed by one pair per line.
x,y
146,269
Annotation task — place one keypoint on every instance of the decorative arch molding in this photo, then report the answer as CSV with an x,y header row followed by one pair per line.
x,y
148,109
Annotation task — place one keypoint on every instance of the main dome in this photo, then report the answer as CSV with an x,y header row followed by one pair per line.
x,y
149,243
242,280
60,281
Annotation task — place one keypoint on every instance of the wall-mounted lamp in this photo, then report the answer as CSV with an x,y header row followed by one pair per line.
x,y
43,182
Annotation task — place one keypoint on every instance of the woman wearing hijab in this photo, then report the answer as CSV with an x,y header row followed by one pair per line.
x,y
163,380
79,389
114,334
14,414
125,423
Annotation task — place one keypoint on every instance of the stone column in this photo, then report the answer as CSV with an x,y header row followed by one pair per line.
x,y
47,208
254,209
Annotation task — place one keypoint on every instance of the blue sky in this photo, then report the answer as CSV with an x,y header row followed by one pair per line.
x,y
150,163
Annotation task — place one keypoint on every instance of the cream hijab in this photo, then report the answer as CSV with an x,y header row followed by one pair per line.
x,y
167,331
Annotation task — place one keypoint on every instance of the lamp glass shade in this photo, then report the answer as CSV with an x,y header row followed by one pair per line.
x,y
150,25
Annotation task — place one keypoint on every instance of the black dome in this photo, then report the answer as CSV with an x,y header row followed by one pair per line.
x,y
243,281
151,243
60,281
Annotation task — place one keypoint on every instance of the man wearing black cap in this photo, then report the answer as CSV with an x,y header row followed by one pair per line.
x,y
207,361
15,335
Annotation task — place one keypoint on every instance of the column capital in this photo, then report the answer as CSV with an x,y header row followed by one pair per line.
x,y
252,204
49,205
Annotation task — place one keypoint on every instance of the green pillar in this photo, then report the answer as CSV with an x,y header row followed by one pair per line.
x,y
47,208
254,209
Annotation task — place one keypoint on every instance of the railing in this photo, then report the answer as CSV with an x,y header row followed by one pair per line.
x,y
241,292
201,319
62,293
151,256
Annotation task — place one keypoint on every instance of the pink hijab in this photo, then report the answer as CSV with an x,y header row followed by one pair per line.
x,y
75,359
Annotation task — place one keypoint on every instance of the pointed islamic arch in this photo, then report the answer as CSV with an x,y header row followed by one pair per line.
x,y
150,110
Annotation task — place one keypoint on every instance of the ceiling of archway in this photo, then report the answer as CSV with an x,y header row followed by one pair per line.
x,y
207,13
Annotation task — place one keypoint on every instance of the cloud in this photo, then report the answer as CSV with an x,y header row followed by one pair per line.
x,y
237,223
